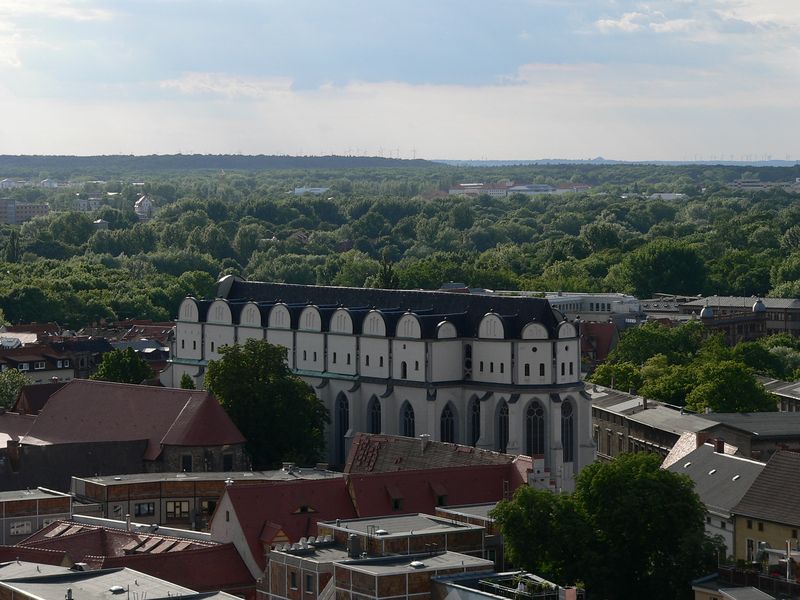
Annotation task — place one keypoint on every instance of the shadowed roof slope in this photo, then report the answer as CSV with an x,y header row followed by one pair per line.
x,y
773,495
99,411
376,453
519,310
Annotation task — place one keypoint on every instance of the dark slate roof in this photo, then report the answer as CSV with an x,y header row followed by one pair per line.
x,y
762,424
517,311
774,494
786,389
719,479
32,398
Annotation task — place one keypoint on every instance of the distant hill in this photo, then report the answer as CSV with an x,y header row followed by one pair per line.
x,y
605,161
113,165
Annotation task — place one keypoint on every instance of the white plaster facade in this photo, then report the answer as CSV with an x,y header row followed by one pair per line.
x,y
479,379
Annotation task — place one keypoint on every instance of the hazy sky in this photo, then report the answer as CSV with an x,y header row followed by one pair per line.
x,y
461,79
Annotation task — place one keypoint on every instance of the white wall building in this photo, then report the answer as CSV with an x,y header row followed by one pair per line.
x,y
497,372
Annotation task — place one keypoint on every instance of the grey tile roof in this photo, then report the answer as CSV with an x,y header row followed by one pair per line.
x,y
721,480
743,302
787,389
762,424
775,494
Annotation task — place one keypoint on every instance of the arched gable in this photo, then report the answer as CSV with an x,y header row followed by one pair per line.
x,y
310,319
446,330
491,327
409,327
567,330
219,312
374,324
250,315
534,331
188,310
341,322
279,317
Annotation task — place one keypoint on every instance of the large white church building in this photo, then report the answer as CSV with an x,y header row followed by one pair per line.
x,y
496,372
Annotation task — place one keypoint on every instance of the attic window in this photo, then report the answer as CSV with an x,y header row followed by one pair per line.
x,y
712,471
735,477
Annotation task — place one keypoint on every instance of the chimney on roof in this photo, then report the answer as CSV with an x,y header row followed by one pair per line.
x,y
644,403
424,438
701,437
128,521
719,446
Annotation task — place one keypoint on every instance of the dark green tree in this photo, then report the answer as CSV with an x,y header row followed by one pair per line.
x,y
728,386
123,366
11,253
11,382
187,383
630,530
276,411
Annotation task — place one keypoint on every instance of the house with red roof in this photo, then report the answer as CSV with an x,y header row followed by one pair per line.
x,y
96,427
200,564
386,475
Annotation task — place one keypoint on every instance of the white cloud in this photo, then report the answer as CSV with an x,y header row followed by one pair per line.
x,y
628,22
674,26
228,86
73,10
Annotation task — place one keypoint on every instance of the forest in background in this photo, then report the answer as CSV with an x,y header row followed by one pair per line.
x,y
393,226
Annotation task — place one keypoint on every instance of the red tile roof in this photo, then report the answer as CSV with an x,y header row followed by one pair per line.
x,y
32,398
37,555
264,510
99,411
196,564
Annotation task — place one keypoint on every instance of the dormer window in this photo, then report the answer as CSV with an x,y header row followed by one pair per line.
x,y
23,366
39,365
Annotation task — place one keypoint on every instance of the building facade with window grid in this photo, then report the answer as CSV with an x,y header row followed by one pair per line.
x,y
496,372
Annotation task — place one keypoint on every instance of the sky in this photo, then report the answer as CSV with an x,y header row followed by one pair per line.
x,y
435,79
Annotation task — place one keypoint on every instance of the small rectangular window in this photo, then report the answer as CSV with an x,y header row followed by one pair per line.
x,y
315,357
227,462
305,355
309,583
396,504
541,369
562,369
23,367
722,524
183,344
380,361
144,509
491,367
212,346
760,526
177,509
416,365
502,367
293,580
749,524
571,365
348,358
527,370
334,358
194,344
186,463
481,366
366,360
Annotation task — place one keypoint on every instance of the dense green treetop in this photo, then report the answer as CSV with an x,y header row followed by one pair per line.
x,y
609,238
123,366
279,414
630,530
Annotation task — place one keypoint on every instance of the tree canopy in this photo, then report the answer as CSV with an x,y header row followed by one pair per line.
x,y
630,530
277,412
123,366
11,382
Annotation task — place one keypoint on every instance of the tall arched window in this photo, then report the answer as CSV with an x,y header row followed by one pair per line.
x,y
342,426
474,421
447,424
407,420
567,432
502,426
374,415
403,370
534,429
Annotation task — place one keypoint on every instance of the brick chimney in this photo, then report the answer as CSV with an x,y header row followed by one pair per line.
x,y
719,445
701,437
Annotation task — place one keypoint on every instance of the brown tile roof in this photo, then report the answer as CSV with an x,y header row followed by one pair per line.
x,y
371,453
775,494
196,564
32,398
99,411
